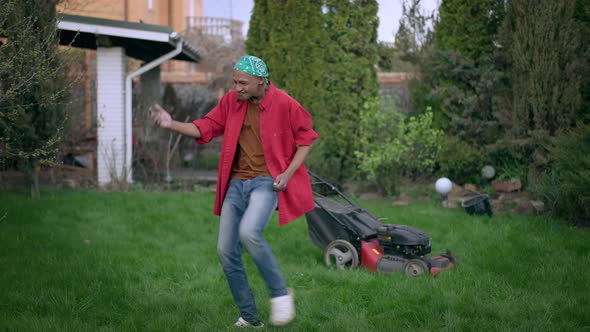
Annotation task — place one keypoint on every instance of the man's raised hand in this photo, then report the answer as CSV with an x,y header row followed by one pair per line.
x,y
160,116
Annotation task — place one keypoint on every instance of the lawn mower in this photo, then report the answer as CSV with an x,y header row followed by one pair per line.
x,y
351,236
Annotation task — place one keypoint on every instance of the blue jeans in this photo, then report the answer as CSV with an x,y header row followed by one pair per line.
x,y
246,211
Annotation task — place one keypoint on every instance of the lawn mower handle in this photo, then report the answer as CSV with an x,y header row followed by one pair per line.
x,y
331,186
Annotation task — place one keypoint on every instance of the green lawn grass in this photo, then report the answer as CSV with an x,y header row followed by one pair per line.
x,y
146,261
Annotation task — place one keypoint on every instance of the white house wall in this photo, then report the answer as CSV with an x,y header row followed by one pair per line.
x,y
111,115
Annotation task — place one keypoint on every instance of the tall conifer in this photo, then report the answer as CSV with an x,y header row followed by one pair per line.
x,y
464,70
324,54
546,65
469,27
259,30
350,57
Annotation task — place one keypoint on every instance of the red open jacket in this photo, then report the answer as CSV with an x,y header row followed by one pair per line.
x,y
284,125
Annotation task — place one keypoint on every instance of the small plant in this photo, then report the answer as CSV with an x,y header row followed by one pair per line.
x,y
512,170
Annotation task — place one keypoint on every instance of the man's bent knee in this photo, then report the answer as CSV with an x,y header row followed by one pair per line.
x,y
250,238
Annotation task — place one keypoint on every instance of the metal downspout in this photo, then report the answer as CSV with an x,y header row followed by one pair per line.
x,y
128,101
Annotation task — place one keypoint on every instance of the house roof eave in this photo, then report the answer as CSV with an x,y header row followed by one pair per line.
x,y
141,41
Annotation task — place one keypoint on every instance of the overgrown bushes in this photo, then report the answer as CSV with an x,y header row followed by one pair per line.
x,y
565,186
459,161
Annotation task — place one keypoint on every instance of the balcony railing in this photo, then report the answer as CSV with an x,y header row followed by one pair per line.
x,y
227,29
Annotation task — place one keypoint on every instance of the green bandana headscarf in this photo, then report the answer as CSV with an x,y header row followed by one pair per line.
x,y
254,66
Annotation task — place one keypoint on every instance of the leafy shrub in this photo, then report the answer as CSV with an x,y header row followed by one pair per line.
x,y
394,145
459,161
565,187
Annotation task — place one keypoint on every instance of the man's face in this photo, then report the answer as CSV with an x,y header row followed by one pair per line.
x,y
247,86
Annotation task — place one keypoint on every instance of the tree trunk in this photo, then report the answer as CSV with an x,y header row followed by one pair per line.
x,y
35,183
32,178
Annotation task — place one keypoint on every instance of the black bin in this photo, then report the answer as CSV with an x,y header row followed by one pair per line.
x,y
479,204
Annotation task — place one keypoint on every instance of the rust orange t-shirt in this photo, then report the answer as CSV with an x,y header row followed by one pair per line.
x,y
249,160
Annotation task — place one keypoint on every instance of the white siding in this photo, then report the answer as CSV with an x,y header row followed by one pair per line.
x,y
111,114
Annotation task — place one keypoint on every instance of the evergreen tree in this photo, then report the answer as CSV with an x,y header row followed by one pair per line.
x,y
386,57
413,32
259,30
582,20
404,42
351,80
469,27
546,66
287,34
294,54
32,116
324,54
464,69
406,48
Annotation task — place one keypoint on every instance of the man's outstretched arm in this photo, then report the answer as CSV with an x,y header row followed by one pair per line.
x,y
164,120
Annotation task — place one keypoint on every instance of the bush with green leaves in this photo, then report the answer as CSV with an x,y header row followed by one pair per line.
x,y
565,187
394,145
459,160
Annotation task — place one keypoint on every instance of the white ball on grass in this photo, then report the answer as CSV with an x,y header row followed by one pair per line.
x,y
443,186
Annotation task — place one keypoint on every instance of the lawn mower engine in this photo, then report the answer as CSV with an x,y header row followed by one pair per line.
x,y
402,240
401,248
